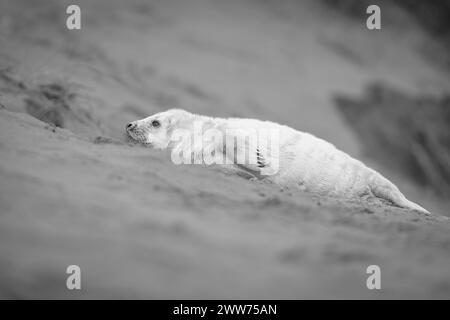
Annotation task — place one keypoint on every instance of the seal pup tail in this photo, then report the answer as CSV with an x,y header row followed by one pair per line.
x,y
383,188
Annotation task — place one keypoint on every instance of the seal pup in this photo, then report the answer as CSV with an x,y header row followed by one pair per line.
x,y
300,160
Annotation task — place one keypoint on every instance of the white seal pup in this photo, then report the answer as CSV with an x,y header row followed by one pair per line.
x,y
300,160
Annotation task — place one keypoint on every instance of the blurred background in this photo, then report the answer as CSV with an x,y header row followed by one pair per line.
x,y
383,96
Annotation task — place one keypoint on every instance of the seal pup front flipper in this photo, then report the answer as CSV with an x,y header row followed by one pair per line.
x,y
261,168
251,154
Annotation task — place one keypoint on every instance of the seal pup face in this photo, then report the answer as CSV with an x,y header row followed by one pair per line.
x,y
156,131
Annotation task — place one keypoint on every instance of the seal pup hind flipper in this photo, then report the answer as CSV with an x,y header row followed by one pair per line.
x,y
384,189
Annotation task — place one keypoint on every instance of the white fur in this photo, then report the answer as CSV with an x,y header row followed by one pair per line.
x,y
306,162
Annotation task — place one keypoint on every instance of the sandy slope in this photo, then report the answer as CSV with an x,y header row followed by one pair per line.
x,y
137,225
140,227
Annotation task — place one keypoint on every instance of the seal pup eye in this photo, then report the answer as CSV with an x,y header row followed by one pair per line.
x,y
156,123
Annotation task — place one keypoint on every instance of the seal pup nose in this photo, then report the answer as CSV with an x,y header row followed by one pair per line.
x,y
131,126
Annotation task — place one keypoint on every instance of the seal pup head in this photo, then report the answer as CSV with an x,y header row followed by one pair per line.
x,y
156,130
